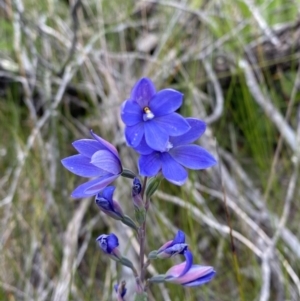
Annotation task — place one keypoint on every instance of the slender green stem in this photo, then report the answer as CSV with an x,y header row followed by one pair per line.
x,y
142,233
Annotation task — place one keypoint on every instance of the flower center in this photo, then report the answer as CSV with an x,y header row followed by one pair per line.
x,y
148,115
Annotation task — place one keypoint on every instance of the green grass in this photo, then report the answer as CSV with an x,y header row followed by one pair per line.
x,y
35,204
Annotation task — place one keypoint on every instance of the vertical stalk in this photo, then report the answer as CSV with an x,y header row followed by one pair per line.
x,y
142,233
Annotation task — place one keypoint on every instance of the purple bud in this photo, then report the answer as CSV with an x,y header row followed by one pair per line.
x,y
196,275
120,290
136,187
173,247
177,246
104,200
109,245
136,193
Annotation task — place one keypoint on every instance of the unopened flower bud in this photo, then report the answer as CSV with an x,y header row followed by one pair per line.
x,y
121,290
104,200
136,193
109,245
139,207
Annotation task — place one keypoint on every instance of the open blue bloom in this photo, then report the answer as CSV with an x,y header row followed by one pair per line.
x,y
196,275
179,154
97,158
109,245
104,200
152,115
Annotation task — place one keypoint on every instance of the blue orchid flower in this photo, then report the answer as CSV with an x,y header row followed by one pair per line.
x,y
97,158
178,155
152,116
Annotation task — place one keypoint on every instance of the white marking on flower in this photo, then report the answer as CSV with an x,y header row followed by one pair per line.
x,y
148,114
169,146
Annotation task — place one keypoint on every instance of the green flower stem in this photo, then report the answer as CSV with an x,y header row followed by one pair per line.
x,y
142,246
142,233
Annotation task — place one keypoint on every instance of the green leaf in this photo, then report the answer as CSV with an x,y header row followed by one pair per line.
x,y
157,278
127,173
152,186
129,222
125,261
152,255
140,215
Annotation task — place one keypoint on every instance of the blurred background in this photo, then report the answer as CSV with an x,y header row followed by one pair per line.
x,y
65,68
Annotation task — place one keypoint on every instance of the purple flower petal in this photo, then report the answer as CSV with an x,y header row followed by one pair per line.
x,y
155,136
107,193
107,161
103,203
112,242
131,113
143,148
143,91
105,144
173,171
117,208
196,275
93,187
87,147
165,246
165,102
175,270
81,166
197,128
179,237
173,124
192,156
104,199
189,262
134,134
173,247
149,165
201,280
107,204
102,183
108,242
